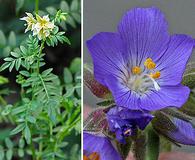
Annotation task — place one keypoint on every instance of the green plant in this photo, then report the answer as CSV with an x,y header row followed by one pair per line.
x,y
47,115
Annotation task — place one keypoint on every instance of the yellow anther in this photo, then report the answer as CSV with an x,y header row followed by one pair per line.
x,y
155,75
148,60
127,132
136,70
149,64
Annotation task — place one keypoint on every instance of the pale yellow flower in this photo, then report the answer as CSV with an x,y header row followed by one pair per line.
x,y
43,27
40,26
31,21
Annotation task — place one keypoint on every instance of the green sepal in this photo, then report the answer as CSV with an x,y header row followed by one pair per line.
x,y
124,149
163,124
139,146
189,107
106,103
189,76
174,112
153,145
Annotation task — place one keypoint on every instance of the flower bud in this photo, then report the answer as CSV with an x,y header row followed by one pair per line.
x,y
178,129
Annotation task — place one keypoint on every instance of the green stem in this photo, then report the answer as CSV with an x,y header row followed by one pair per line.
x,y
165,145
51,137
63,133
50,129
139,146
124,148
153,145
43,83
40,52
40,148
36,6
33,150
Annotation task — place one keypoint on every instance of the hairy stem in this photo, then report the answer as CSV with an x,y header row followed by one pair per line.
x,y
139,146
36,6
153,145
40,52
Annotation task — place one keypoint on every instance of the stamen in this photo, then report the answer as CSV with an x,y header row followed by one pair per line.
x,y
142,81
155,75
136,70
156,85
149,64
127,132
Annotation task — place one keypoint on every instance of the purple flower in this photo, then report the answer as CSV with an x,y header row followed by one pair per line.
x,y
184,132
100,147
124,122
142,64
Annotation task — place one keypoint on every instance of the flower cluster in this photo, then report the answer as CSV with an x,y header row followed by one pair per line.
x,y
142,65
40,26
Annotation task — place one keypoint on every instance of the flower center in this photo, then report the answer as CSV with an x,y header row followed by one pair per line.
x,y
43,23
143,79
92,156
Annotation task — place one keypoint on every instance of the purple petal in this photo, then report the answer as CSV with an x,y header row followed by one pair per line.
x,y
120,137
133,114
145,33
106,50
101,145
174,96
173,62
184,134
140,118
124,122
143,121
122,94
